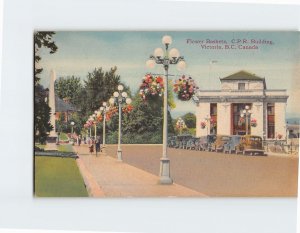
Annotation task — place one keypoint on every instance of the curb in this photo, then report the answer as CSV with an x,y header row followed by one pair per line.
x,y
90,182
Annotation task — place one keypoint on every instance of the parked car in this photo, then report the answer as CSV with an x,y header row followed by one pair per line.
x,y
231,144
172,141
201,144
181,141
191,143
205,142
218,144
251,145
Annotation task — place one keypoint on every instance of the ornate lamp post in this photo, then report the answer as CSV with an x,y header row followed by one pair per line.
x,y
102,111
72,130
89,130
91,119
166,58
247,114
120,98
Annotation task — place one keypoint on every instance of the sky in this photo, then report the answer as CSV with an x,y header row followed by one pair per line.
x,y
81,52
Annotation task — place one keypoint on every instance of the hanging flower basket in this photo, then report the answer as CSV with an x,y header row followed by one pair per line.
x,y
111,112
253,123
99,118
279,136
152,86
184,88
203,124
127,109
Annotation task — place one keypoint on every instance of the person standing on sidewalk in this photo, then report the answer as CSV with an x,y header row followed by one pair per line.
x,y
98,144
79,140
91,147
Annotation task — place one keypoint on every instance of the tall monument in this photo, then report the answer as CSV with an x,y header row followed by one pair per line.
x,y
52,103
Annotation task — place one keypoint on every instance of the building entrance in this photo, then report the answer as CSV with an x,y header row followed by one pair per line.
x,y
238,123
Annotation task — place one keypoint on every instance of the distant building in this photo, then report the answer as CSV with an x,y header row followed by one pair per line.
x,y
220,110
63,107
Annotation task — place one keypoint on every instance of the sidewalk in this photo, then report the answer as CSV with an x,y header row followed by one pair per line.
x,y
104,176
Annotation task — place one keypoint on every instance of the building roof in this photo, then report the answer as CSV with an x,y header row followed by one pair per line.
x,y
243,75
62,106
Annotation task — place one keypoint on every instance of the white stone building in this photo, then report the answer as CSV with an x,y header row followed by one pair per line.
x,y
220,110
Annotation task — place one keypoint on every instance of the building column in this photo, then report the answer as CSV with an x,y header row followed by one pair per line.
x,y
280,122
258,114
202,112
224,118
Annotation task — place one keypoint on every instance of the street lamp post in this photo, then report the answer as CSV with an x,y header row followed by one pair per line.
x,y
103,109
119,98
247,114
72,125
166,58
95,124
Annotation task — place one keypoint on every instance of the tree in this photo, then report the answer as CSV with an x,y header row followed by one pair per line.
x,y
144,124
69,87
98,88
41,114
190,120
41,109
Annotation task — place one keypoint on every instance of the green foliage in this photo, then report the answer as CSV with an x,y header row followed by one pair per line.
x,y
41,109
190,120
42,40
69,87
99,87
144,124
41,115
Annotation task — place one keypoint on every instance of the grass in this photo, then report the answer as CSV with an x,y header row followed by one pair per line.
x,y
63,137
65,148
58,177
40,146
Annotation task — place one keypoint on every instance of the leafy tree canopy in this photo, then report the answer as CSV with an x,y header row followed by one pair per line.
x,y
69,87
190,120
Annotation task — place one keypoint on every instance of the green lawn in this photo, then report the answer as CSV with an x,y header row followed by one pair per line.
x,y
63,137
58,177
40,146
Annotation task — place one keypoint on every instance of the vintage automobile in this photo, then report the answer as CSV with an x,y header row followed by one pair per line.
x,y
250,145
230,146
192,143
181,141
205,142
218,144
172,141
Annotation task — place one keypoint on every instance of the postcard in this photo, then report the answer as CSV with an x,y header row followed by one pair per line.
x,y
166,113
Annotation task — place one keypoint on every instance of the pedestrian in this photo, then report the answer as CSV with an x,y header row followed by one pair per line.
x,y
91,147
79,140
98,144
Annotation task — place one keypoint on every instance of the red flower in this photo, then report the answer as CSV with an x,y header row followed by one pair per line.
x,y
159,79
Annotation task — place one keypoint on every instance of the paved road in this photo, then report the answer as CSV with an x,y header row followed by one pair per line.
x,y
217,174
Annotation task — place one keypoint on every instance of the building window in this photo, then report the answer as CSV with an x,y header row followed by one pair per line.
x,y
271,120
241,86
213,118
